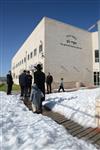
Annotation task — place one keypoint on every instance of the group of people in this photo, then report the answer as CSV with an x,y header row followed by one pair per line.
x,y
36,93
25,82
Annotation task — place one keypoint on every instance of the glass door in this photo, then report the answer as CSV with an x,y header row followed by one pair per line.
x,y
96,78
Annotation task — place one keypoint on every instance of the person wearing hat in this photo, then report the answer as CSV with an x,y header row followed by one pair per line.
x,y
39,80
29,84
23,82
9,83
49,81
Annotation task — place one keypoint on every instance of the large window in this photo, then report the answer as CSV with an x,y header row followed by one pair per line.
x,y
24,59
31,54
96,55
28,56
96,78
40,48
35,52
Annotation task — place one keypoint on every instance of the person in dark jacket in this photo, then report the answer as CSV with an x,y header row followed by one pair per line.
x,y
49,81
23,82
39,80
29,82
9,83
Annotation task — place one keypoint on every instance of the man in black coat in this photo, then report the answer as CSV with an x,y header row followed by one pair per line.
x,y
9,83
23,82
39,80
49,81
29,82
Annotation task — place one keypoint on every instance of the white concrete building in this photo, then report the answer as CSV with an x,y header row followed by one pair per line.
x,y
63,50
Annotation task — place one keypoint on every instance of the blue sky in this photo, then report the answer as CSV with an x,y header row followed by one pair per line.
x,y
18,18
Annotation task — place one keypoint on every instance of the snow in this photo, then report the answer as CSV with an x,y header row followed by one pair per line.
x,y
78,106
20,129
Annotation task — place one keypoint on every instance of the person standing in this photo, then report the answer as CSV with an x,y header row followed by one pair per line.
x,y
49,81
61,86
35,98
39,80
9,83
23,82
29,82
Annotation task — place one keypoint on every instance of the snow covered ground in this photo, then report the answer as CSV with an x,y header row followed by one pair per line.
x,y
78,105
20,129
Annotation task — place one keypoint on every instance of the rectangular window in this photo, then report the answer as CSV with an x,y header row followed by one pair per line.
x,y
24,59
28,56
96,78
40,48
31,54
35,52
96,55
14,75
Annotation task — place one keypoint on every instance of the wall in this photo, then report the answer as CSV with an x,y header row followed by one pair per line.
x,y
68,52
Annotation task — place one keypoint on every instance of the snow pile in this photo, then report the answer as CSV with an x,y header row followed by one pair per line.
x,y
78,106
20,129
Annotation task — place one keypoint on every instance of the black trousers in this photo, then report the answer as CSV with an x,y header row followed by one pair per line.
x,y
61,87
48,88
23,90
9,88
29,89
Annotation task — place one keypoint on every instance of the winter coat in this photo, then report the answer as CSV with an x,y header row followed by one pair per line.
x,y
9,79
29,79
36,96
39,79
23,80
49,79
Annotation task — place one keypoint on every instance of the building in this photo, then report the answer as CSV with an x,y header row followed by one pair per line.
x,y
63,50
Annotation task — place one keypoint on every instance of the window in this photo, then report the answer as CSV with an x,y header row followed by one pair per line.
x,y
35,52
96,78
24,59
31,54
14,75
28,56
96,55
40,48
